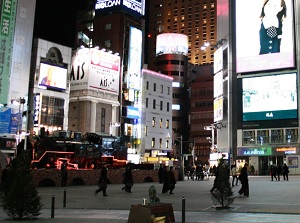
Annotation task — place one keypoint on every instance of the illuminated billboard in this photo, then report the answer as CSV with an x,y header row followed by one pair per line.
x,y
264,35
270,97
53,77
95,69
218,109
171,43
133,7
134,58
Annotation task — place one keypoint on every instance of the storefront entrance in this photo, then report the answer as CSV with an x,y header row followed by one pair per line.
x,y
266,161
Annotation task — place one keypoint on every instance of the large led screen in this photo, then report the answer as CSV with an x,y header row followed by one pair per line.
x,y
270,97
53,77
172,43
264,35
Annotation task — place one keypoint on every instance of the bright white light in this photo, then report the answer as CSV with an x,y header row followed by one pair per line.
x,y
176,107
176,84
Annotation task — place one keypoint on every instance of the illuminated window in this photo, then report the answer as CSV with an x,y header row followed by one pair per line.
x,y
153,122
167,124
153,142
160,123
176,107
167,143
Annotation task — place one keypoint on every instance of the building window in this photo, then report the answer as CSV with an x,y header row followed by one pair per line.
x,y
168,90
160,123
108,26
168,106
153,142
161,105
154,87
102,119
167,143
147,85
160,143
154,103
146,130
167,124
161,89
153,122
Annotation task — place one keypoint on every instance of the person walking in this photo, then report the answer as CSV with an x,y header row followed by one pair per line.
x,y
103,180
160,173
128,179
234,175
165,180
172,180
244,181
286,171
279,170
64,173
273,172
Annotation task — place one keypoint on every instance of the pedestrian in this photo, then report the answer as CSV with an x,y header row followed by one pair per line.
x,y
128,179
64,173
103,180
234,175
252,170
273,172
165,188
160,173
279,170
244,181
285,172
172,180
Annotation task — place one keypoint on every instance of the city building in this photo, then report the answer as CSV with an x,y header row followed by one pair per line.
x,y
195,19
156,121
260,113
49,87
17,19
118,28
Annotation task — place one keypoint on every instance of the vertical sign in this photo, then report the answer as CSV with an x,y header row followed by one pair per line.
x,y
7,27
135,58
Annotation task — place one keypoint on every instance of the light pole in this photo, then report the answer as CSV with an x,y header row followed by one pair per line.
x,y
19,102
181,156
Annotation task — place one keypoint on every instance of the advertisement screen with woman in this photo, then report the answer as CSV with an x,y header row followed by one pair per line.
x,y
264,35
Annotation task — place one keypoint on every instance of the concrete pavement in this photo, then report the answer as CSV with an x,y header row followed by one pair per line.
x,y
269,201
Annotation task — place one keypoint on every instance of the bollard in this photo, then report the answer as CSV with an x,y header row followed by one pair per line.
x,y
52,206
65,196
183,210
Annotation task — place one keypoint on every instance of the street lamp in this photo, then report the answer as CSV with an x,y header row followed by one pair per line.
x,y
19,102
179,139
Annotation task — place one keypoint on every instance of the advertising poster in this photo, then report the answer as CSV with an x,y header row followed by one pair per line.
x,y
264,35
292,161
5,117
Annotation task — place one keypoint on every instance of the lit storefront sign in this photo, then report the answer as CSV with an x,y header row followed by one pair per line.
x,y
258,48
134,59
95,69
37,109
133,7
171,43
132,112
287,150
7,28
266,151
218,109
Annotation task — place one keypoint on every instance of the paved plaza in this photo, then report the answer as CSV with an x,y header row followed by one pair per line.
x,y
269,201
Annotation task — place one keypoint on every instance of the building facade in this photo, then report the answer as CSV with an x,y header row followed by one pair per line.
x,y
156,140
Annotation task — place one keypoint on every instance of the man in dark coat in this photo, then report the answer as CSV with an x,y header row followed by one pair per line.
x,y
172,180
103,180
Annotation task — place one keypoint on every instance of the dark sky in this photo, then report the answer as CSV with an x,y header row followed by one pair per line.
x,y
55,20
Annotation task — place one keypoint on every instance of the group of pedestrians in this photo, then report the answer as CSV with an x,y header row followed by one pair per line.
x,y
167,178
277,170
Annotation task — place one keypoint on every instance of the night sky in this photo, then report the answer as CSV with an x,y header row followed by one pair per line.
x,y
55,20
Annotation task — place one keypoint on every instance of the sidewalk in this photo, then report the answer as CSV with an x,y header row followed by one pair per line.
x,y
269,201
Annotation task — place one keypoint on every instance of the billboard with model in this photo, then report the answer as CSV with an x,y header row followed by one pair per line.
x,y
264,35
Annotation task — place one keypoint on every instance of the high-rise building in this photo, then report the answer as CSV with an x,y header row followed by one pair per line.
x,y
193,84
115,27
196,19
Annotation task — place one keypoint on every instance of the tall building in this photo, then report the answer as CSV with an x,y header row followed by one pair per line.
x,y
196,19
116,28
